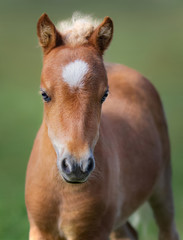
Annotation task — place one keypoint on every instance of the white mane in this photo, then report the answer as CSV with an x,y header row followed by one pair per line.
x,y
76,30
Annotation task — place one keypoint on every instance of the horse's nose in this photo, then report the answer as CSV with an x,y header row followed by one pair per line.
x,y
76,172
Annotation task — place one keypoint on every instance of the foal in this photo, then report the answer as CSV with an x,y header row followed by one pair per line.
x,y
93,163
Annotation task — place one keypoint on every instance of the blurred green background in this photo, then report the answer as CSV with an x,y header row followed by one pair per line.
x,y
148,36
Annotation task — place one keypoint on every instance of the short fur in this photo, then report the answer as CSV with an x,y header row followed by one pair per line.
x,y
128,137
74,72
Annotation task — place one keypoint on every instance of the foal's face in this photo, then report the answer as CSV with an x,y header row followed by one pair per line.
x,y
73,85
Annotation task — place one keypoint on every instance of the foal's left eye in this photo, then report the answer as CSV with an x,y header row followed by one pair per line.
x,y
46,98
105,95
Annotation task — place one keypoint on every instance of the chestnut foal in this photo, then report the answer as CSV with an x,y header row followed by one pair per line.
x,y
93,165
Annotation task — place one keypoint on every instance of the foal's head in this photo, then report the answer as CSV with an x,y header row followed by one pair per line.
x,y
74,86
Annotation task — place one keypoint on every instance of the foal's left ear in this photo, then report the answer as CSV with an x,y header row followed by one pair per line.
x,y
49,37
102,35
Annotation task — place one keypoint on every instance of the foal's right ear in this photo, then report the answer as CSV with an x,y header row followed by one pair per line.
x,y
49,37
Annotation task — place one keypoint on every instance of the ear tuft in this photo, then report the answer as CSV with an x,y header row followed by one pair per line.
x,y
47,34
102,36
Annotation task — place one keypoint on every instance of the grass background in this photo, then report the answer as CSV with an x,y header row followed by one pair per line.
x,y
148,36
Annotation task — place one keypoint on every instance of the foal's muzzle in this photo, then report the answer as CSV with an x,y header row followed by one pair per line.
x,y
76,172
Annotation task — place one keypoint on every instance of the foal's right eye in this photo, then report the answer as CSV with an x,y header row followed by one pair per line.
x,y
46,98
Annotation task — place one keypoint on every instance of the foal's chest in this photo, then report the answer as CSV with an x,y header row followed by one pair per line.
x,y
80,214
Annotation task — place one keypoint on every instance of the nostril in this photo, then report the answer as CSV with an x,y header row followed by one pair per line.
x,y
66,167
64,163
90,166
87,165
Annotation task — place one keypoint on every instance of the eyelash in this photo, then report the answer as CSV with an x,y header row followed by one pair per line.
x,y
105,96
45,97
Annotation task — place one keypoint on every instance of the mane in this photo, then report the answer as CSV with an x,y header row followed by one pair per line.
x,y
78,29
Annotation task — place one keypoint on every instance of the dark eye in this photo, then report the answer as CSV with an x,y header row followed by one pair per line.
x,y
46,98
105,95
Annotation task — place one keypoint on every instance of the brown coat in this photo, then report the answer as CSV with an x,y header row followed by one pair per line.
x,y
132,157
